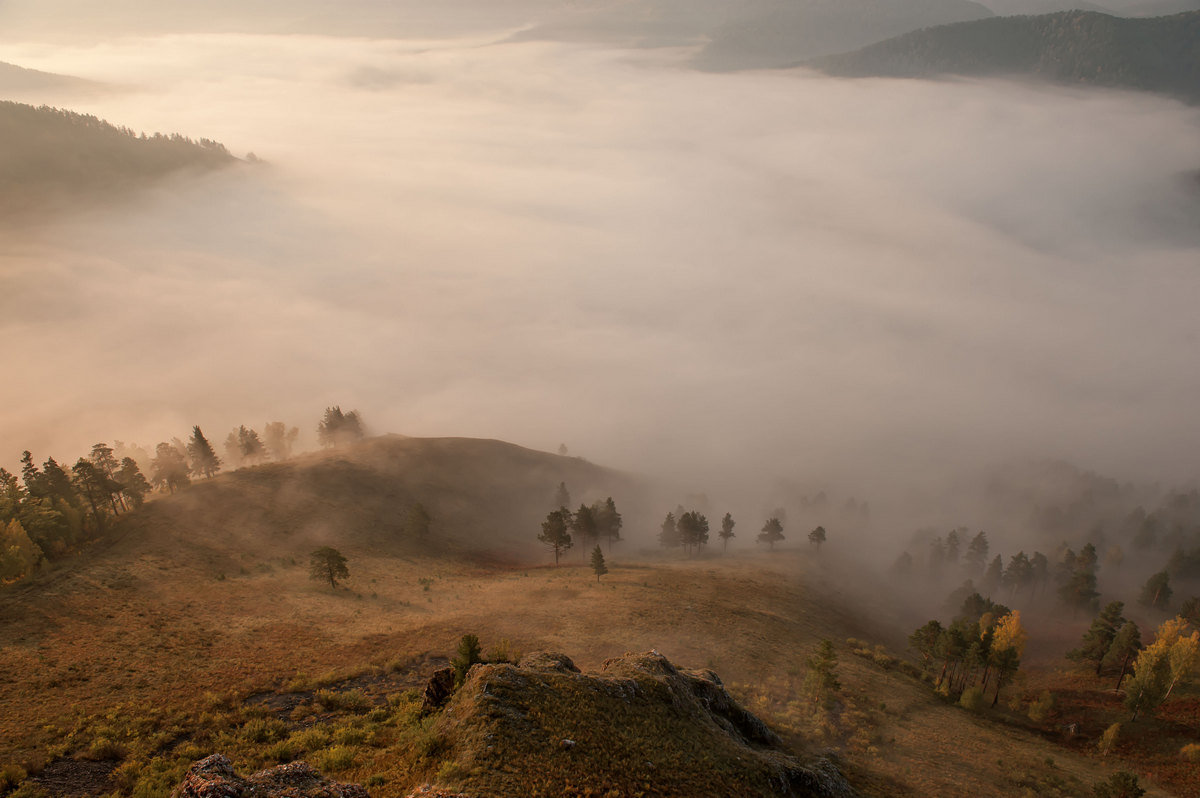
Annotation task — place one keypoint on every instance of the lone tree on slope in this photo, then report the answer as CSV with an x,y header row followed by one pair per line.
x,y
817,537
556,531
727,524
598,566
204,460
327,563
772,532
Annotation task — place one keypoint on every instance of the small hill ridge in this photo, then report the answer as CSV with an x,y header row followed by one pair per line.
x,y
1157,54
51,157
639,726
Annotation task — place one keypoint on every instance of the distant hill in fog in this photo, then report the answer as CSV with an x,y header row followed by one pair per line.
x,y
782,33
49,155
1159,54
15,80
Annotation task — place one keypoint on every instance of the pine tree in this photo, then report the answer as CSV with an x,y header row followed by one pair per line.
x,y
556,532
1098,639
994,575
598,566
820,680
1125,646
562,497
817,537
279,440
337,428
953,545
169,470
668,536
469,653
772,532
977,554
327,563
693,530
937,557
1019,573
727,524
204,460
1156,593
608,521
584,525
133,483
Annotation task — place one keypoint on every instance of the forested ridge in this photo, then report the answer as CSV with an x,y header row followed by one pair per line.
x,y
53,154
1159,54
51,511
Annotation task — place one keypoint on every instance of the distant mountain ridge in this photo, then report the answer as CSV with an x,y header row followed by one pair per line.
x,y
1157,54
781,33
19,80
48,155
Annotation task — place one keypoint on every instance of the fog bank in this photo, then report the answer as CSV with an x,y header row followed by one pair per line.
x,y
717,277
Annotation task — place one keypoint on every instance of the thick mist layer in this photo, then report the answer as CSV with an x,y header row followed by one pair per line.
x,y
742,276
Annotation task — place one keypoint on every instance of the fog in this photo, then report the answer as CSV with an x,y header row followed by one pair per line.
x,y
722,278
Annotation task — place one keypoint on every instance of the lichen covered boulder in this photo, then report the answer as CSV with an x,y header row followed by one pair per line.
x,y
214,777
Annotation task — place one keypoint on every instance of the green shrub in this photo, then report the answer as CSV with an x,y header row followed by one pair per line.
x,y
1040,709
103,748
972,699
351,735
11,776
350,700
468,654
282,751
263,730
335,759
1121,784
312,739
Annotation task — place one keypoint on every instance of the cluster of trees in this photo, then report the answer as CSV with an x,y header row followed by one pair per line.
x,y
689,530
1112,642
981,649
46,512
338,428
588,524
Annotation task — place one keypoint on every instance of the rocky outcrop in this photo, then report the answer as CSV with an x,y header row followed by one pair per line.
x,y
640,725
213,777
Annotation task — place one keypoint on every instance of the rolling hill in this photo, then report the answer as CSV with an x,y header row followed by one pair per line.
x,y
1158,54
16,80
783,33
194,628
51,157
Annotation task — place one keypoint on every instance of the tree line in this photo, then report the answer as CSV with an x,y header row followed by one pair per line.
x,y
48,511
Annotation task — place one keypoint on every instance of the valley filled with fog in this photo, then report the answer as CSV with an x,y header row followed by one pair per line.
x,y
719,277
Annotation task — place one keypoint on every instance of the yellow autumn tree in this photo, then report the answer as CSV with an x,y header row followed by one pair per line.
x,y
19,555
1008,645
1172,658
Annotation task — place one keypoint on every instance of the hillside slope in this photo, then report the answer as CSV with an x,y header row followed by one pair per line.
x,y
783,33
485,497
50,156
16,80
1159,54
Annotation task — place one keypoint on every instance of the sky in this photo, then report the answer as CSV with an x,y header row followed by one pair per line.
x,y
720,277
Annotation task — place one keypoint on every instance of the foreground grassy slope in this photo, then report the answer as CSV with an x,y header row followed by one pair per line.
x,y
1159,54
199,631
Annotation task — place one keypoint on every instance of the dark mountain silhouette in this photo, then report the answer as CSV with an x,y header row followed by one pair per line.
x,y
783,33
1159,54
50,156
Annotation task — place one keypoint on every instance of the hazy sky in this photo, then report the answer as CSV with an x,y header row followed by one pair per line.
x,y
770,274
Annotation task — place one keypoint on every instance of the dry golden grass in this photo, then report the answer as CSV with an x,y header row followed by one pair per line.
x,y
150,648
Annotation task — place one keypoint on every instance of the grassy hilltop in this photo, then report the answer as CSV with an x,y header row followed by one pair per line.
x,y
196,629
